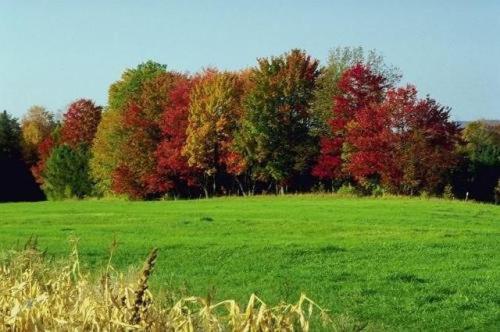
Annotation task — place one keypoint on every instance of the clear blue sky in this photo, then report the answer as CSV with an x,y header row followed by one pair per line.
x,y
52,52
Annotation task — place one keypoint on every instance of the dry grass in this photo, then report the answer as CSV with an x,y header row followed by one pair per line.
x,y
37,294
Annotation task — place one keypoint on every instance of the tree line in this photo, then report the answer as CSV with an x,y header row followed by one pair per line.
x,y
287,124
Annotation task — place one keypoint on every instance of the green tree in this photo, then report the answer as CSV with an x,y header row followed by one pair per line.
x,y
16,181
482,143
479,171
275,137
67,173
10,137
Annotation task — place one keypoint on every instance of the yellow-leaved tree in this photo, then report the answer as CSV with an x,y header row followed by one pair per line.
x,y
214,114
36,125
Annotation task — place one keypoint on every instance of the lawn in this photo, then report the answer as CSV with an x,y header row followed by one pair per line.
x,y
402,264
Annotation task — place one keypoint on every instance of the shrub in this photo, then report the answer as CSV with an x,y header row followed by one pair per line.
x,y
448,192
348,190
377,191
319,188
425,194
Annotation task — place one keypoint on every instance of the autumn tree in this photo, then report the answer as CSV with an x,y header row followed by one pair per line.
x,y
173,173
214,112
36,125
106,149
426,141
327,88
275,137
80,123
44,149
370,143
111,136
63,167
141,138
358,88
405,142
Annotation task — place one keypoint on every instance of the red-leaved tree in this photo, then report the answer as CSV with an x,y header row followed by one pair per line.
x,y
370,142
405,142
358,87
425,141
80,122
135,175
172,170
44,149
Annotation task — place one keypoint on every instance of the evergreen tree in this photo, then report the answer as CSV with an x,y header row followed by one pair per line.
x,y
10,137
16,181
67,174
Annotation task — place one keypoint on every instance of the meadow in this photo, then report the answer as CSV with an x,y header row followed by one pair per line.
x,y
396,263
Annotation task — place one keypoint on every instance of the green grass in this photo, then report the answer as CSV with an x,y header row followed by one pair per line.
x,y
402,264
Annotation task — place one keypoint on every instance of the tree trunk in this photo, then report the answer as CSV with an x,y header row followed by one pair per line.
x,y
240,185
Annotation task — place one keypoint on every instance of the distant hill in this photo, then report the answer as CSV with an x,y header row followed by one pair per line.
x,y
489,122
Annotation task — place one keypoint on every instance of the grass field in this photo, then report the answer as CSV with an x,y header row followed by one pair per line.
x,y
402,264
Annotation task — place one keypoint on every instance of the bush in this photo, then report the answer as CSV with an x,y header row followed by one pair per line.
x,y
318,188
377,191
425,194
348,190
448,192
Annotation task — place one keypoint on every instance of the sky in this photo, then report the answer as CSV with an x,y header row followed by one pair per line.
x,y
54,52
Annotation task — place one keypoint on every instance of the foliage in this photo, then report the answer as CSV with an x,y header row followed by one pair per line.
x,y
74,301
358,87
347,190
44,150
63,165
10,137
142,134
284,125
111,136
339,60
482,143
16,181
106,149
479,169
214,113
36,125
275,138
448,192
80,123
67,174
172,169
408,143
